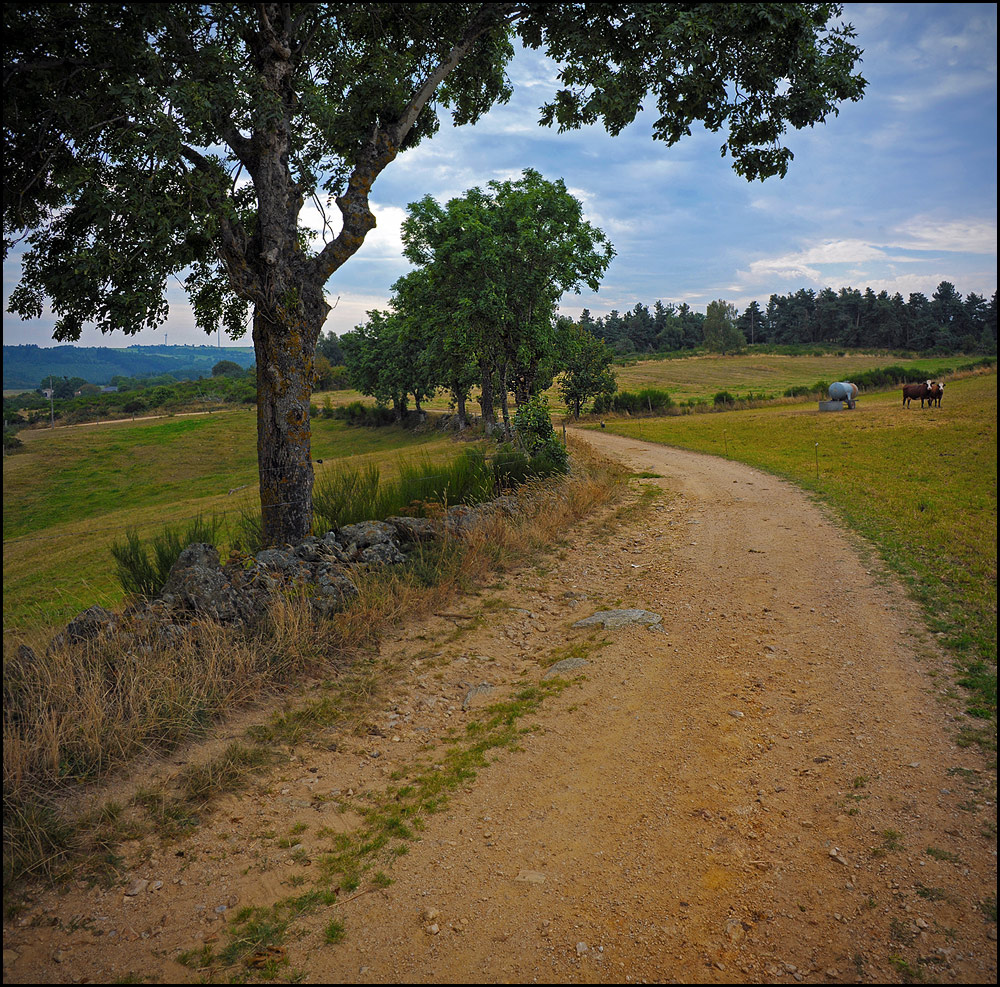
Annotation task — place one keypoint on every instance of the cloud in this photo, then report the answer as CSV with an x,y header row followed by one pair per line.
x,y
804,263
976,236
351,309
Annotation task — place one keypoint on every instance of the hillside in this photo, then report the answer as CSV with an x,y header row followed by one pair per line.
x,y
27,367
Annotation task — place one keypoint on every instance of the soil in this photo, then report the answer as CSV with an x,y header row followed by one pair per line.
x,y
768,786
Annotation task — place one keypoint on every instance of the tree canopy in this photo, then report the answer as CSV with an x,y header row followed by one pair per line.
x,y
587,372
493,265
142,140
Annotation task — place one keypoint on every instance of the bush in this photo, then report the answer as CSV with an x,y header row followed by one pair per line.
x,y
358,413
535,434
142,570
647,401
11,443
723,399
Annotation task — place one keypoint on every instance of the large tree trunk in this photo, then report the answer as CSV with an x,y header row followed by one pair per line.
x,y
285,360
486,401
508,432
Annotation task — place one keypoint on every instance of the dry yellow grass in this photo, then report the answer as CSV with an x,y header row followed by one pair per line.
x,y
77,712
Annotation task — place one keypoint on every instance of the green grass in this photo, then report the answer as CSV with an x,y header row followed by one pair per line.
x,y
919,484
699,378
73,491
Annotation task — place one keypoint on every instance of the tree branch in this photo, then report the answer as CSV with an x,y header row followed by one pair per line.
x,y
383,145
240,145
234,240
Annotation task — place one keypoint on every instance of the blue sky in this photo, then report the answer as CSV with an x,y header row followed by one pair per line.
x,y
897,192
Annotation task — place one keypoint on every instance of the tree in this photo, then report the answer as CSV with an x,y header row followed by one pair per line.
x,y
449,350
389,362
588,372
753,323
721,332
227,368
495,263
329,346
205,128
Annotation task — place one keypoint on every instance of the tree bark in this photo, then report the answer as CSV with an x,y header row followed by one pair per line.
x,y
486,401
508,433
285,358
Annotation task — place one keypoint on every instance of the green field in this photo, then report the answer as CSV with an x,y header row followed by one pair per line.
x,y
699,378
919,484
72,491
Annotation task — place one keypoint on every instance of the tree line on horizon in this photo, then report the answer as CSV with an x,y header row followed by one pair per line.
x,y
849,318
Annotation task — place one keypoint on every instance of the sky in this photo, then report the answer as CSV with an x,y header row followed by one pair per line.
x,y
897,192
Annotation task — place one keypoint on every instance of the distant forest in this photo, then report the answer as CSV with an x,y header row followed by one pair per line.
x,y
853,319
944,323
30,366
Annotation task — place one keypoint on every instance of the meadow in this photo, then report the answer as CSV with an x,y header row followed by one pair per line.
x,y
920,484
699,378
73,490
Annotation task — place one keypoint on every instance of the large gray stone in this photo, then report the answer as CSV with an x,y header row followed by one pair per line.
x,y
197,582
620,618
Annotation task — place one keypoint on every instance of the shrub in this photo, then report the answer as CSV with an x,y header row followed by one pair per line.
x,y
535,434
722,399
649,400
142,570
358,413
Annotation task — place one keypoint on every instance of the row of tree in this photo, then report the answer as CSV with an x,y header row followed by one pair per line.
x,y
479,309
851,318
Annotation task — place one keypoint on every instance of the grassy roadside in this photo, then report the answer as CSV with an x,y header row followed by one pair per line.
x,y
919,484
104,705
73,491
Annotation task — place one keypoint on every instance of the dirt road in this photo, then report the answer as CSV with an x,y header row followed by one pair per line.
x,y
765,787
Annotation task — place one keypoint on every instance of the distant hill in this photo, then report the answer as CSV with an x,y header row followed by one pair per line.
x,y
28,366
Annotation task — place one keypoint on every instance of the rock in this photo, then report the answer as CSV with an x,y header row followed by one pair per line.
x,y
564,666
309,550
386,553
411,530
483,689
85,626
620,618
365,534
530,877
335,589
460,520
198,583
136,887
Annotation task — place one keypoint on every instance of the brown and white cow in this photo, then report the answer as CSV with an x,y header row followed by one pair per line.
x,y
913,391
